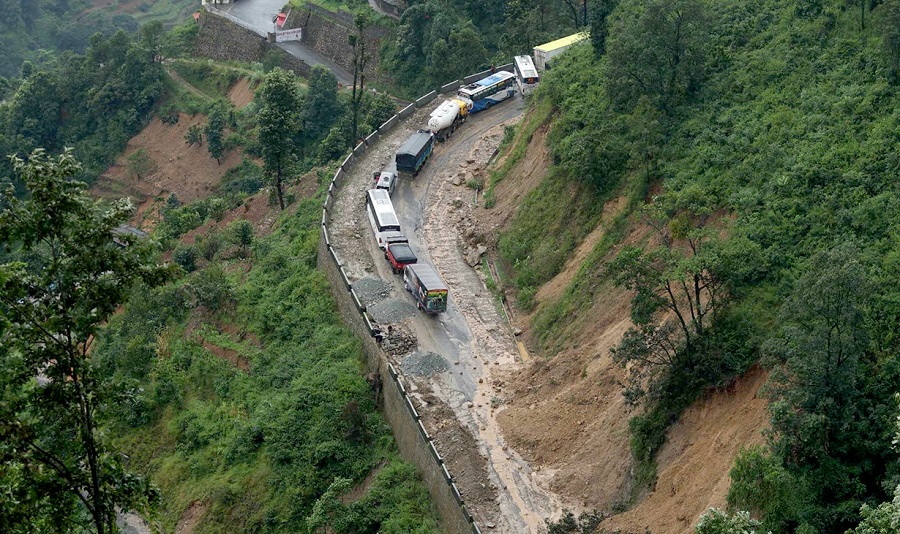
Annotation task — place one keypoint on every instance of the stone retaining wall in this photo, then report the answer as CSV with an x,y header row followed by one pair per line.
x,y
222,40
328,32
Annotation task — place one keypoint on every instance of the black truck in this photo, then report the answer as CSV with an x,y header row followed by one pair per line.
x,y
413,153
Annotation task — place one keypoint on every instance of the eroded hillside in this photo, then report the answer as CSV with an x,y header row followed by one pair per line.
x,y
566,411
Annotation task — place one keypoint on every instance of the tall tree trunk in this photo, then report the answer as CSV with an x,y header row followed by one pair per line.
x,y
90,447
278,188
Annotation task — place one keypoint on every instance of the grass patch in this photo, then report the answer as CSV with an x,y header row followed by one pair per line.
x,y
517,146
212,78
550,223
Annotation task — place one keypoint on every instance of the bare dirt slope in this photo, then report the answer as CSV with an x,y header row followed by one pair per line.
x,y
188,171
565,412
568,417
694,462
241,93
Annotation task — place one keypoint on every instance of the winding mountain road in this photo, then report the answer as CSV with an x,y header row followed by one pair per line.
x,y
468,347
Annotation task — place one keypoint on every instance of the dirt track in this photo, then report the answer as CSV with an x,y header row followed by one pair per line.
x,y
466,349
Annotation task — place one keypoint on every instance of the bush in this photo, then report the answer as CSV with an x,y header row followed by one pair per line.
x,y
186,257
212,289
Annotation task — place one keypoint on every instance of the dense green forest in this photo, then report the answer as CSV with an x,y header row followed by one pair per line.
x,y
36,31
271,440
759,144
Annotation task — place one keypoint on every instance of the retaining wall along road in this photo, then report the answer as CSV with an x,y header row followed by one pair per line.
x,y
413,440
225,38
328,33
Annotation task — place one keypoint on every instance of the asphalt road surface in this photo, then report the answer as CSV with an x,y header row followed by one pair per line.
x,y
260,14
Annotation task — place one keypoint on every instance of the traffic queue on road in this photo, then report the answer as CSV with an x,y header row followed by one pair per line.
x,y
421,279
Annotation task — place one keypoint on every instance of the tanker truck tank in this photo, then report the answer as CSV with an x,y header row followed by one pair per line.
x,y
450,114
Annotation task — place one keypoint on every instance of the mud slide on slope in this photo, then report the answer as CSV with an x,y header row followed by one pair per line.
x,y
695,461
569,417
188,171
241,93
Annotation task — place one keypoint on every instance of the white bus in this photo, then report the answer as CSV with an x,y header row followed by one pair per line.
x,y
488,91
526,74
381,214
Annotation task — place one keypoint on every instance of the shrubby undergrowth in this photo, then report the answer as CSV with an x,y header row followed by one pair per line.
x,y
274,447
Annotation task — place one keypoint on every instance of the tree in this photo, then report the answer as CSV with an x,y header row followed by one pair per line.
x,y
578,11
151,39
277,124
645,131
53,460
320,107
360,59
677,291
885,519
715,521
599,25
821,341
465,44
241,231
760,484
215,127
889,23
194,135
379,110
818,387
527,23
656,48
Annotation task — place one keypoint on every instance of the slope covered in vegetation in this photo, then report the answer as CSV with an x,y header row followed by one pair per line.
x,y
759,144
267,424
233,389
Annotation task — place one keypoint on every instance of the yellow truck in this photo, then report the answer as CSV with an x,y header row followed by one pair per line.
x,y
545,52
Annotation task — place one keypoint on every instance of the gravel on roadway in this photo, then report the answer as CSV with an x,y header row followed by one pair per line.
x,y
424,363
370,290
392,311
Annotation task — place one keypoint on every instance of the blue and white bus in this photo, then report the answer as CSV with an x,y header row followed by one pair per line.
x,y
526,74
489,91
